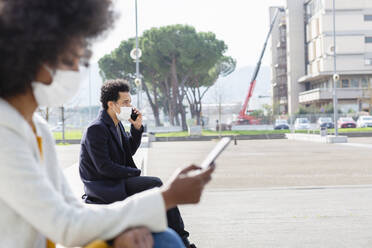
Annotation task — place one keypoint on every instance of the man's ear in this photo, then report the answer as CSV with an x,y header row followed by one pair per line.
x,y
110,104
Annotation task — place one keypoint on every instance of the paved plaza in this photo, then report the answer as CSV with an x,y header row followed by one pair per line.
x,y
273,193
270,163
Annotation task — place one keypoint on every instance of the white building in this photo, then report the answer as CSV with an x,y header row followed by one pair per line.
x,y
310,53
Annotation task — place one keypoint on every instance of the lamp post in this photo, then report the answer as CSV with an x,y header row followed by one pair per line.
x,y
139,86
90,95
336,77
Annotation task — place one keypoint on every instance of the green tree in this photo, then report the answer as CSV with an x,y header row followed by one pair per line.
x,y
202,80
174,59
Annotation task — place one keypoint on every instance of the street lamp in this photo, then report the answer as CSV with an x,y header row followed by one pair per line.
x,y
336,77
90,95
139,87
135,54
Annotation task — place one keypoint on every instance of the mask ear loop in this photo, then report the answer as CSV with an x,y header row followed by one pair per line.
x,y
118,107
48,69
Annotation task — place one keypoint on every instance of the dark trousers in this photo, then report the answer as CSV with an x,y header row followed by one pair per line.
x,y
136,185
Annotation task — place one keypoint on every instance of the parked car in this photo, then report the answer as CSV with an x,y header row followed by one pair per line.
x,y
364,121
325,122
302,124
281,124
346,122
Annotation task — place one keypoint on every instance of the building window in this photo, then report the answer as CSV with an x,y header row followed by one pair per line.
x,y
283,35
364,83
345,83
315,86
318,66
311,8
314,50
317,23
368,61
367,17
354,83
368,39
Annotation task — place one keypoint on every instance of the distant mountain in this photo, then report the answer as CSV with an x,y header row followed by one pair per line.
x,y
234,88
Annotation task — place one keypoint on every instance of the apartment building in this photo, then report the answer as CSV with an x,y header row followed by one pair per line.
x,y
310,57
279,62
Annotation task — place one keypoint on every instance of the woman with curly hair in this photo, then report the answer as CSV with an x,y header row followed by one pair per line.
x,y
42,45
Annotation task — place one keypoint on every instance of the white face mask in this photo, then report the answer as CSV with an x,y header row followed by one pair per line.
x,y
124,114
65,85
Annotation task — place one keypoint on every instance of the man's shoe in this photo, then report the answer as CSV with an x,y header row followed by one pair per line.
x,y
192,246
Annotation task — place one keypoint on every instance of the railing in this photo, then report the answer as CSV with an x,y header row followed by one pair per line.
x,y
326,94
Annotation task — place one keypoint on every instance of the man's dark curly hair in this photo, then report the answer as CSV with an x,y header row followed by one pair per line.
x,y
35,32
110,90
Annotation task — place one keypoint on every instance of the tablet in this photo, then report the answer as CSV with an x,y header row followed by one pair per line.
x,y
217,150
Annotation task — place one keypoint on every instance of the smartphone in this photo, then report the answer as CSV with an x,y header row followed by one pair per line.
x,y
217,150
133,116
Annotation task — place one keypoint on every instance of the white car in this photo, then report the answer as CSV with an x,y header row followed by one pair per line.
x,y
281,124
302,124
364,121
325,122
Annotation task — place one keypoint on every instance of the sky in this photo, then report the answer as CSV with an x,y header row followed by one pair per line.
x,y
241,24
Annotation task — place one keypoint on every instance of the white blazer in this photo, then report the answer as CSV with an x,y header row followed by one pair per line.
x,y
36,202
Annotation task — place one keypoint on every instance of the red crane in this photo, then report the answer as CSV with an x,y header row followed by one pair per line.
x,y
243,117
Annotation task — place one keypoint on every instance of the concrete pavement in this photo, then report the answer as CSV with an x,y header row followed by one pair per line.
x,y
274,193
255,200
269,163
339,217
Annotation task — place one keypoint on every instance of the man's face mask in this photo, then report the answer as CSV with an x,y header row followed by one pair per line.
x,y
124,114
65,85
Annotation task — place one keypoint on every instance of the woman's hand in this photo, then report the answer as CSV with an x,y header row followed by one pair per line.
x,y
183,188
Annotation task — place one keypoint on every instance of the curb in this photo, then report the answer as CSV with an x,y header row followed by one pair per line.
x,y
209,138
238,137
327,139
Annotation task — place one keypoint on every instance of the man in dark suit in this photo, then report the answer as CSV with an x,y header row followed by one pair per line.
x,y
106,164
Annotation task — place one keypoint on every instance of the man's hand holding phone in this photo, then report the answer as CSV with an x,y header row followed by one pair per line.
x,y
136,119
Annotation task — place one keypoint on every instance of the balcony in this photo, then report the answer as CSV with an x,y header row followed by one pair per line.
x,y
281,65
326,94
282,80
283,100
281,43
283,22
281,74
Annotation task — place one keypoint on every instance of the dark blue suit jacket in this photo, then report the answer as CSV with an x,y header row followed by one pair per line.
x,y
104,163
